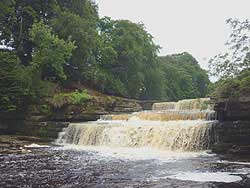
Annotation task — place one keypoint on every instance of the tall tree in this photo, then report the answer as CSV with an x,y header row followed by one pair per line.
x,y
77,20
17,18
14,82
134,51
50,53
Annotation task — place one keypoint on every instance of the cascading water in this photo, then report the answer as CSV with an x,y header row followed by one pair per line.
x,y
183,136
190,109
201,104
182,126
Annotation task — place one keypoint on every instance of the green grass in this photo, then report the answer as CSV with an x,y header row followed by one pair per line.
x,y
74,98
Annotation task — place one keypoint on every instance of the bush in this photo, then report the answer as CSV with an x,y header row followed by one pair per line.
x,y
233,87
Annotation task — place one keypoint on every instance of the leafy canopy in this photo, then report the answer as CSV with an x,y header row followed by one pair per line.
x,y
50,54
237,57
58,42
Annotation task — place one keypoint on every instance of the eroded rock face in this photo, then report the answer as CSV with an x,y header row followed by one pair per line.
x,y
236,109
46,129
236,132
232,138
92,110
44,120
232,131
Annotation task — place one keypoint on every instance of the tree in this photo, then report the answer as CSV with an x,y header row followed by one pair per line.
x,y
237,57
131,55
183,77
64,41
17,18
14,82
77,20
21,84
50,54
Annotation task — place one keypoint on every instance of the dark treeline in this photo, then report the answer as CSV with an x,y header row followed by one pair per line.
x,y
182,77
63,41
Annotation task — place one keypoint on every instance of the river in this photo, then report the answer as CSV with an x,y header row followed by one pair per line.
x,y
102,167
168,147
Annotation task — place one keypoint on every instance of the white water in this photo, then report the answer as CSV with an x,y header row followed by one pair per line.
x,y
136,154
170,136
188,104
226,177
36,146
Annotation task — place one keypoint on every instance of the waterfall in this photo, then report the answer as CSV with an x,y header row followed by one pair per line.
x,y
182,126
190,109
200,104
163,116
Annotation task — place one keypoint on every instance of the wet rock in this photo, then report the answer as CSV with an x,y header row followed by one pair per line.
x,y
239,150
221,148
236,132
12,144
233,109
232,139
48,130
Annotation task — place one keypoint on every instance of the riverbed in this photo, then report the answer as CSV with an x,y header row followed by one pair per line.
x,y
104,167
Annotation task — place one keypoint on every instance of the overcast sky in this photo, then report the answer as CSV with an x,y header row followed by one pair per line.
x,y
194,26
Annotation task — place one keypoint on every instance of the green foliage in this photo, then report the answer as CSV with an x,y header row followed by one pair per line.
x,y
34,54
183,77
233,87
77,20
50,53
17,18
65,41
62,99
237,57
130,56
233,67
14,82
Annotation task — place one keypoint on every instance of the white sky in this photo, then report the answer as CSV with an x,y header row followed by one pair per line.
x,y
194,26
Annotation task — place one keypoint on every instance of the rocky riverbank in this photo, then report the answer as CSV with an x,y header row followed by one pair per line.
x,y
231,133
46,119
15,144
233,129
233,109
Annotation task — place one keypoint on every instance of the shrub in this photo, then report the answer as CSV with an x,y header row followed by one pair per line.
x,y
233,87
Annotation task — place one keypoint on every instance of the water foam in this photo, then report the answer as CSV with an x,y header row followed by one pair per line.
x,y
226,177
135,154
